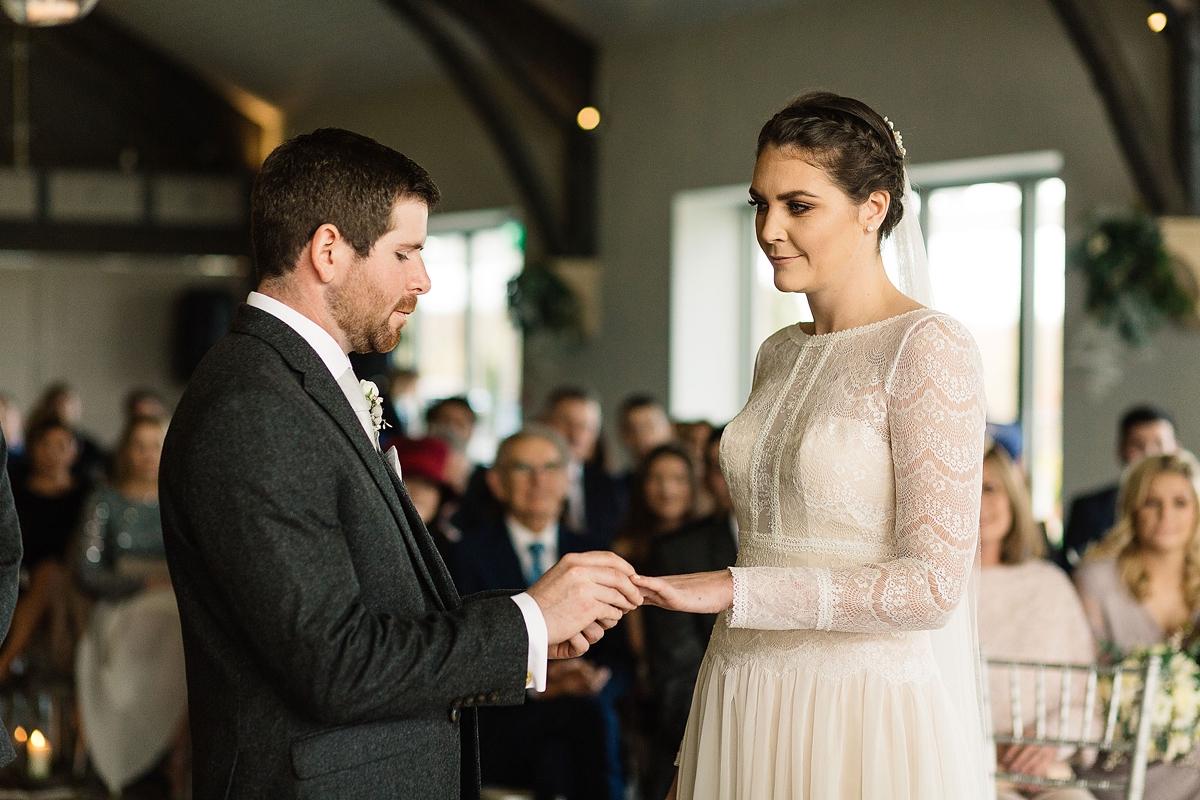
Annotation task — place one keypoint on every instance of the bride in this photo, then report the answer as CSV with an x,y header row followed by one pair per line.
x,y
845,663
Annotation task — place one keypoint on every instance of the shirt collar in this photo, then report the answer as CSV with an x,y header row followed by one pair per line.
x,y
525,536
319,339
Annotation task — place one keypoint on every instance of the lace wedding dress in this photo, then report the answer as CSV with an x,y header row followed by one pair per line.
x,y
855,470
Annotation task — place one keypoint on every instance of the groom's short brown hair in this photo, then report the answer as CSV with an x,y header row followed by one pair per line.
x,y
329,176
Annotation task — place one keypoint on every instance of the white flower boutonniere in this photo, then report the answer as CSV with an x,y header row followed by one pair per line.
x,y
371,391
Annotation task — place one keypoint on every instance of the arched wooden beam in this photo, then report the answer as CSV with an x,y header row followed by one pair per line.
x,y
1146,150
553,67
1183,33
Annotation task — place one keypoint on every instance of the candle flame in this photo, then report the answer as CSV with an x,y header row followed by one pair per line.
x,y
36,740
20,735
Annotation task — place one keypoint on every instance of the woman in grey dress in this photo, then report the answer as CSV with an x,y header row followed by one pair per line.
x,y
1141,584
129,667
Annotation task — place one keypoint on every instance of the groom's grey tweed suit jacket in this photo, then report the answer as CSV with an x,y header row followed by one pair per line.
x,y
328,654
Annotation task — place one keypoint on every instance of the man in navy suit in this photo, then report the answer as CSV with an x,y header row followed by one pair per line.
x,y
557,745
1145,431
595,499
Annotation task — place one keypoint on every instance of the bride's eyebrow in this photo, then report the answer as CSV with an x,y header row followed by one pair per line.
x,y
797,193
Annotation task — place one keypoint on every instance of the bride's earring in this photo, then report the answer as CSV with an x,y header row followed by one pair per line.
x,y
870,229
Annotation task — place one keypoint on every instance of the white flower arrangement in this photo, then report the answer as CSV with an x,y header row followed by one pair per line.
x,y
371,392
1175,723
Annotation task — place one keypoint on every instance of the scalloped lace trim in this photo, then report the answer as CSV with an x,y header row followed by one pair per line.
x,y
740,600
825,601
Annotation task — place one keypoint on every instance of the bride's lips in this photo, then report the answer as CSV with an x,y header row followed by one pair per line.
x,y
780,261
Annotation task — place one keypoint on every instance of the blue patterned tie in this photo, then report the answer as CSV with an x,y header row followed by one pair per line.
x,y
536,570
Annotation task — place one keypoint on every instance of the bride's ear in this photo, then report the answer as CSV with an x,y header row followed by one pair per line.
x,y
873,210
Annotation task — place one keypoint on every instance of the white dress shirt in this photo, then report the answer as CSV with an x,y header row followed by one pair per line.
x,y
521,537
336,360
576,499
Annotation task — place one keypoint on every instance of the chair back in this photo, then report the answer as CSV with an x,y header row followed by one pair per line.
x,y
1097,726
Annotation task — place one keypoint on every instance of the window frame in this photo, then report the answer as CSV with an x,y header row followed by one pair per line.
x,y
1026,170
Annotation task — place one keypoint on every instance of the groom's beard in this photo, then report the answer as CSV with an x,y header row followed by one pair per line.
x,y
362,311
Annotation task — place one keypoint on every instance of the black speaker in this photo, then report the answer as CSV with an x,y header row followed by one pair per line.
x,y
202,316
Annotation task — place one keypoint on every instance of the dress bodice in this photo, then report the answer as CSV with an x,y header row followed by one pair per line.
x,y
115,527
847,666
855,471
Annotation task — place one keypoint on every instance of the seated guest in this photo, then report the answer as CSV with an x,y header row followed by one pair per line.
x,y
644,426
60,402
695,436
558,746
1141,584
423,465
1028,611
452,419
13,429
664,492
49,501
595,501
403,406
143,403
1144,431
675,642
129,668
662,502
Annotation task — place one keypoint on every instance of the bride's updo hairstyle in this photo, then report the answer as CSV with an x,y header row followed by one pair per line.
x,y
849,141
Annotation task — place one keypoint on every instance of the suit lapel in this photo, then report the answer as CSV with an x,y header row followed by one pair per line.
x,y
502,554
324,390
437,574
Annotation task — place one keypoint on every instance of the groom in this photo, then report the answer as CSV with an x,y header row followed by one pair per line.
x,y
328,654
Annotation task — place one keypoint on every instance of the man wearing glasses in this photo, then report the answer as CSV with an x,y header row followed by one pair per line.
x,y
558,743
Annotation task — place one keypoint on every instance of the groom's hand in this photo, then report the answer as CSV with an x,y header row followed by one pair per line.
x,y
581,596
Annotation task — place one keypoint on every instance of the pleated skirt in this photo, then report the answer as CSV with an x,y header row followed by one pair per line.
x,y
756,734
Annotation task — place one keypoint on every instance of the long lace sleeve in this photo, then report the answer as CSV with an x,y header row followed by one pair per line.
x,y
936,417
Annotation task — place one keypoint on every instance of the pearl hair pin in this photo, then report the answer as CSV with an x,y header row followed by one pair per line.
x,y
898,137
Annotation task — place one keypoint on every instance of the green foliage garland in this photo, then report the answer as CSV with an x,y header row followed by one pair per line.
x,y
539,301
1131,285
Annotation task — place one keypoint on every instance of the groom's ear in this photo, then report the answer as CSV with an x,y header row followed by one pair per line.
x,y
327,252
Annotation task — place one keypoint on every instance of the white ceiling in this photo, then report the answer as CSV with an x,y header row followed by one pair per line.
x,y
291,52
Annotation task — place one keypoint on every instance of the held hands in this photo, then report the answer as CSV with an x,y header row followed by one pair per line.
x,y
585,594
697,593
582,596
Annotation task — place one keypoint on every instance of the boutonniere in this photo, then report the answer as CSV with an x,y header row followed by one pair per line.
x,y
371,392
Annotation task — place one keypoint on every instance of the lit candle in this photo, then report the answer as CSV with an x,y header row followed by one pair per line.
x,y
39,756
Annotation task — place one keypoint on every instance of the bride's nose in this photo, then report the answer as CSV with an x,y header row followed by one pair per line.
x,y
771,226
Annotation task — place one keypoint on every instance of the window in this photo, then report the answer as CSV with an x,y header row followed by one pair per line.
x,y
460,340
997,257
996,246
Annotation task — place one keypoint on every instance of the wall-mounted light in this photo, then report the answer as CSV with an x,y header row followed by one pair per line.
x,y
1157,21
44,13
588,118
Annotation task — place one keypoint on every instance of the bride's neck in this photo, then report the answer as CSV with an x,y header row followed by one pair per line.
x,y
861,295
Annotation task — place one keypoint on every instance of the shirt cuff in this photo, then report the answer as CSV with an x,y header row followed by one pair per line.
x,y
539,641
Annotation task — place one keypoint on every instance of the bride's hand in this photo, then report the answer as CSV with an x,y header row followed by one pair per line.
x,y
698,593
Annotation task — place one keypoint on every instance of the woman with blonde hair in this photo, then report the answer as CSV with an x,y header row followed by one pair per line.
x,y
1028,611
1140,585
129,667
